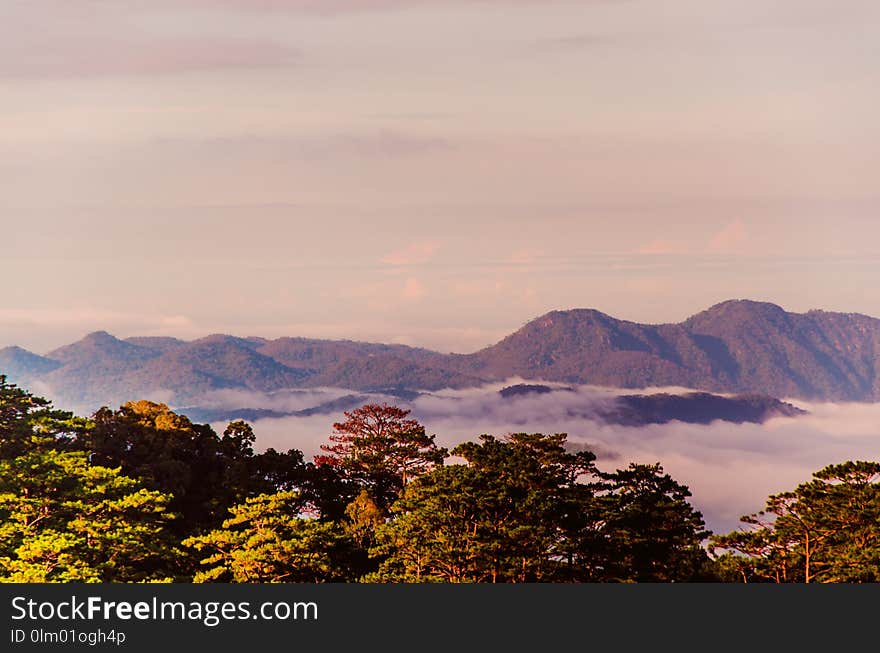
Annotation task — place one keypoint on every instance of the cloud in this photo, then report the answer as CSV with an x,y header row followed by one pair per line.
x,y
574,43
316,147
524,257
281,401
661,246
90,319
732,239
412,254
61,39
413,289
350,6
80,48
650,286
730,468
304,433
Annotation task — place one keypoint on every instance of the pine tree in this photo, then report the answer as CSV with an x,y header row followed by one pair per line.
x,y
382,450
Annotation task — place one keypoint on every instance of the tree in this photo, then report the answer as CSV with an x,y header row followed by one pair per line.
x,y
379,448
825,530
28,422
267,541
363,517
502,517
205,473
652,532
64,520
442,531
542,483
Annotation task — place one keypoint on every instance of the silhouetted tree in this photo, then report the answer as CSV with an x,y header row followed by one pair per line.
x,y
825,530
652,532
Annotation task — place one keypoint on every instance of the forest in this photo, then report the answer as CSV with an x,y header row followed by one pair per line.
x,y
141,494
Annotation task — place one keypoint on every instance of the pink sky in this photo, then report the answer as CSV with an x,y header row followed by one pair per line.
x,y
433,172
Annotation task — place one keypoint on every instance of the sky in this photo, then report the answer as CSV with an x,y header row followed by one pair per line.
x,y
430,172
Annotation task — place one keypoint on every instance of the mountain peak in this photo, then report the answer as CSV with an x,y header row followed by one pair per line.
x,y
100,337
249,342
100,345
745,305
739,311
15,350
21,364
578,315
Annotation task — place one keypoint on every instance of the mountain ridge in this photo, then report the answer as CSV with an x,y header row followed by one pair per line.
x,y
735,346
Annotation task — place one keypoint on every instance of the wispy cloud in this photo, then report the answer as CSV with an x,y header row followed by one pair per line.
x,y
413,289
99,318
349,6
320,146
412,254
661,246
84,49
733,238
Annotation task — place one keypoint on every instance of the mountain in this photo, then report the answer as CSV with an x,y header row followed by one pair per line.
x,y
816,355
586,346
663,407
738,346
695,408
102,369
159,345
94,368
317,355
22,366
388,372
100,349
215,363
526,389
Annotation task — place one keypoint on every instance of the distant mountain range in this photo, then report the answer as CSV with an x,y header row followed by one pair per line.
x,y
738,346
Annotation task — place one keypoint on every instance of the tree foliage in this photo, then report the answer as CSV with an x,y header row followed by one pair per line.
x,y
825,530
205,473
525,509
65,520
28,422
143,494
266,540
653,533
381,449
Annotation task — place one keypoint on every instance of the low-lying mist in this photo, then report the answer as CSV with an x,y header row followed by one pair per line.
x,y
730,468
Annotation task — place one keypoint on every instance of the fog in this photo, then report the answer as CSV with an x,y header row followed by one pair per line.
x,y
730,468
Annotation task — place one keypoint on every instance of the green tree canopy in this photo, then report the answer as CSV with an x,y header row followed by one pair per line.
x,y
499,518
527,509
65,520
28,422
205,473
266,540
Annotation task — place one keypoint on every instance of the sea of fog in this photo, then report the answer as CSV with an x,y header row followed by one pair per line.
x,y
730,468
